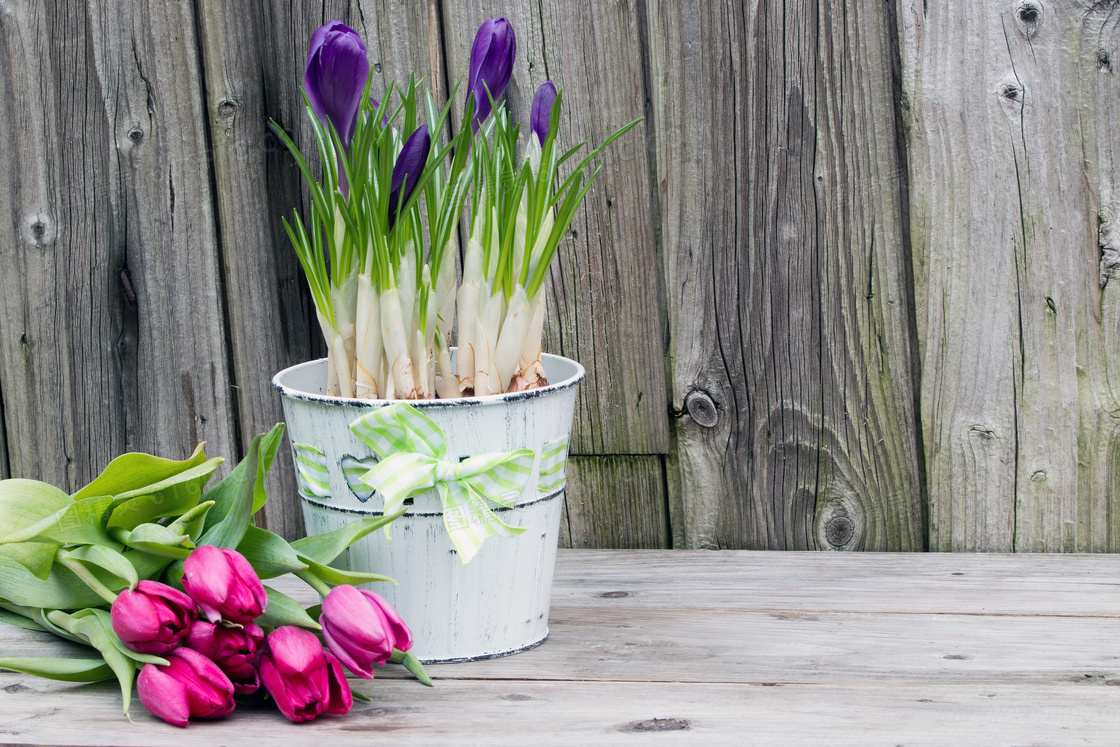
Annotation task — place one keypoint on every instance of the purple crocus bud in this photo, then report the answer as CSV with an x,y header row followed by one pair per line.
x,y
491,62
541,110
407,171
337,69
362,629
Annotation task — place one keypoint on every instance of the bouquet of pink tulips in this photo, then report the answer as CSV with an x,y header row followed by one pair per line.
x,y
154,573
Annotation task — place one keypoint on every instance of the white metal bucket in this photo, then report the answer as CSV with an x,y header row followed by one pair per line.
x,y
498,602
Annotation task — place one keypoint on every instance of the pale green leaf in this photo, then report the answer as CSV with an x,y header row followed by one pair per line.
x,y
155,539
283,610
107,559
26,502
336,576
81,522
101,636
268,553
323,548
170,497
61,589
36,557
236,495
11,618
131,471
67,670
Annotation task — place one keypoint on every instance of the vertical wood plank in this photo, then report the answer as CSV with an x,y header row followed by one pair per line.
x,y
253,72
616,502
1018,378
113,335
603,293
786,277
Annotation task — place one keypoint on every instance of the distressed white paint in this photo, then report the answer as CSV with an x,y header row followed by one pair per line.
x,y
497,603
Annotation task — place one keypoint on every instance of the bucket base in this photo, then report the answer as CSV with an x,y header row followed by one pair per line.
x,y
483,657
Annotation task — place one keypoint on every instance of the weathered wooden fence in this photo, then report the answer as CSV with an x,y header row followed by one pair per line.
x,y
852,284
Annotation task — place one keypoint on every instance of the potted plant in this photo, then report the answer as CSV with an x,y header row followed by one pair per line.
x,y
473,439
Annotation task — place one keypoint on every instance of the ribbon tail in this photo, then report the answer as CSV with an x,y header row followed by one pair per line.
x,y
466,533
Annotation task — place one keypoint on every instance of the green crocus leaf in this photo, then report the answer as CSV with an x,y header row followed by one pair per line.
x,y
169,497
323,548
236,496
129,472
337,576
155,539
283,610
36,557
117,570
61,589
269,553
67,670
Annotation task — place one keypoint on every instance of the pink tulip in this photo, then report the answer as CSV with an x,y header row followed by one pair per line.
x,y
301,677
233,649
224,584
152,618
361,629
190,686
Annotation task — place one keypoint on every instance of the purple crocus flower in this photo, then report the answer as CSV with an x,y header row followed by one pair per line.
x,y
410,164
541,110
337,69
491,62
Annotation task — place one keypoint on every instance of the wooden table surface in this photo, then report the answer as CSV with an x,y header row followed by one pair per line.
x,y
656,647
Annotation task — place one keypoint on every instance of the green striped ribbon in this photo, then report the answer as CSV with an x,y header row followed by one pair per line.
x,y
353,469
311,471
554,458
413,453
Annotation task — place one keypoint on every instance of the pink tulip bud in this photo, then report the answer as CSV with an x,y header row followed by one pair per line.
x,y
301,677
232,648
190,686
153,617
224,584
361,628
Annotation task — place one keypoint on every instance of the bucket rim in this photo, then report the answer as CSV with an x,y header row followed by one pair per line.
x,y
490,399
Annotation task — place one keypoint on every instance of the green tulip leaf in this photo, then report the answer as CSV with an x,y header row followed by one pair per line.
x,y
337,576
36,557
96,629
323,548
67,670
117,570
24,503
105,622
11,618
80,523
61,589
283,610
193,522
268,553
236,495
129,472
170,497
155,539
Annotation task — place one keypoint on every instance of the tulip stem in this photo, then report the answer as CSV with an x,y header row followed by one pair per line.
x,y
412,664
90,580
315,582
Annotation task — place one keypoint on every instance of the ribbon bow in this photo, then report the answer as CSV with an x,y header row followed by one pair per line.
x,y
413,454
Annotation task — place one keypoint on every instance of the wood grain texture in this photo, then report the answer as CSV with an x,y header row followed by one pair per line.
x,y
112,327
786,277
1011,122
604,307
712,647
616,502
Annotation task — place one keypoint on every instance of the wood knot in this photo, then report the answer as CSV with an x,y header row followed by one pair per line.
x,y
40,230
126,287
1028,17
659,724
1104,61
1010,91
227,107
136,135
701,408
615,594
838,530
377,67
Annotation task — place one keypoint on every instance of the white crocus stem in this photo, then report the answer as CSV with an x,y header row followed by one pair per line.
x,y
486,378
520,228
368,336
396,346
344,298
447,384
468,313
329,333
529,366
511,339
445,292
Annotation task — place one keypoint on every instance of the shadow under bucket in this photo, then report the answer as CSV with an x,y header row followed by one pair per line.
x,y
497,603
